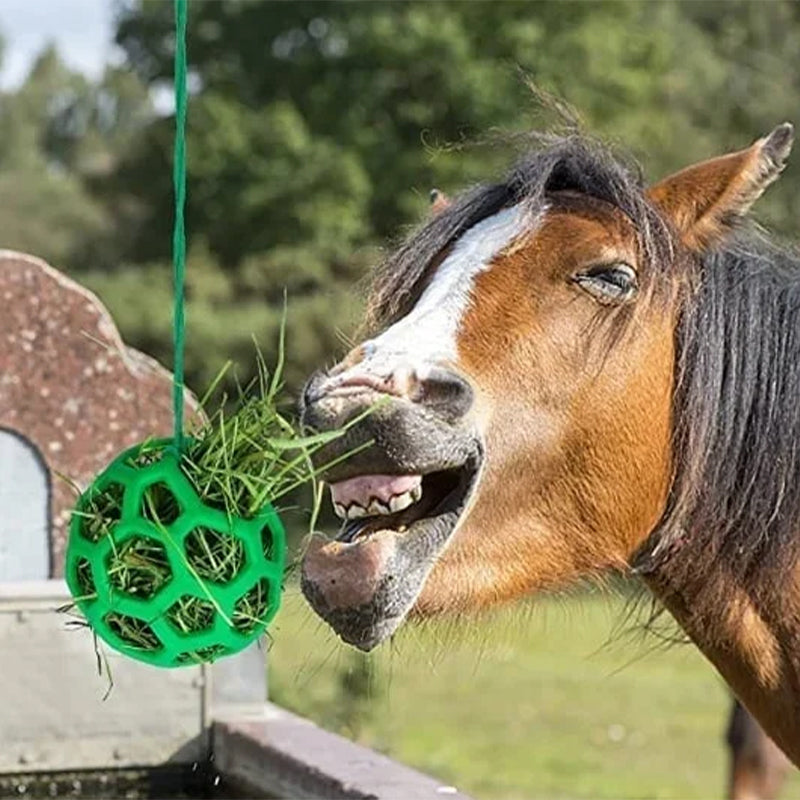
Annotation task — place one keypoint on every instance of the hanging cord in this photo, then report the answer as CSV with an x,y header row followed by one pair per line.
x,y
179,232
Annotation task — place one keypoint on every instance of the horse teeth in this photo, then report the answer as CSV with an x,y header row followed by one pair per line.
x,y
376,507
401,501
355,511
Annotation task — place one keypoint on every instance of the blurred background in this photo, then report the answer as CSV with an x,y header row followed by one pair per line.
x,y
316,132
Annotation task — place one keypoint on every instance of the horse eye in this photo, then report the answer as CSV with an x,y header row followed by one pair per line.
x,y
610,283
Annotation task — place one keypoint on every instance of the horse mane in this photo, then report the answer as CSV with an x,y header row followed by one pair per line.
x,y
552,163
733,510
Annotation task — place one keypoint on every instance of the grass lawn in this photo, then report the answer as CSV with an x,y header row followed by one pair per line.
x,y
545,701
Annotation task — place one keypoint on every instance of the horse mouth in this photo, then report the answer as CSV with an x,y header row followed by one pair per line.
x,y
366,579
402,504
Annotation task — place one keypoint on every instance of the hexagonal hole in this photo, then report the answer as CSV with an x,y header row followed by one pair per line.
x,y
139,567
85,579
215,556
133,631
250,608
202,654
101,511
191,614
267,544
159,504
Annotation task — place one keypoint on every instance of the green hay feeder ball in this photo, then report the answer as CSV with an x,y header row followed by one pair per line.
x,y
163,577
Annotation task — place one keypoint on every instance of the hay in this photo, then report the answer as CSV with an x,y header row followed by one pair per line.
x,y
237,463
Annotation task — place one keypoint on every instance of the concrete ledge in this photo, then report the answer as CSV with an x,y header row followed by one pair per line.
x,y
274,753
48,593
56,720
55,713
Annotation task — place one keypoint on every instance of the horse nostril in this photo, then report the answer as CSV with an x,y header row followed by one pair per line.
x,y
447,392
312,391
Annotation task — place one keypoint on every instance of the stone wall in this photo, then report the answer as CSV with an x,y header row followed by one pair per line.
x,y
68,383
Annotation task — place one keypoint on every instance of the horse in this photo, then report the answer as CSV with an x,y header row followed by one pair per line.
x,y
758,768
568,371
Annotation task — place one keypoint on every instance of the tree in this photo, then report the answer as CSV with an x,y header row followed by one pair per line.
x,y
58,133
318,128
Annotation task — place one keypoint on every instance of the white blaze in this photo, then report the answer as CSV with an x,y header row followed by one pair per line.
x,y
429,332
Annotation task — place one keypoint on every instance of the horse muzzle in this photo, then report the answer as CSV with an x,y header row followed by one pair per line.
x,y
401,477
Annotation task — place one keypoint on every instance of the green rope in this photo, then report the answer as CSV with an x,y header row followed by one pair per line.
x,y
179,232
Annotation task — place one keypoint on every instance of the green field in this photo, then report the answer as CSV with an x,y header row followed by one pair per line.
x,y
546,701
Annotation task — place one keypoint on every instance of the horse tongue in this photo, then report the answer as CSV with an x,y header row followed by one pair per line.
x,y
381,487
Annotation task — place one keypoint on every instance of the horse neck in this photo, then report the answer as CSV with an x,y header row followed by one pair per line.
x,y
755,649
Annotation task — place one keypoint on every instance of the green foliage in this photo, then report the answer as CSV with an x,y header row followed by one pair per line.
x,y
317,129
48,214
59,134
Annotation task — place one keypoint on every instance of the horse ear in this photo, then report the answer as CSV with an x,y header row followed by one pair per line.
x,y
703,200
439,201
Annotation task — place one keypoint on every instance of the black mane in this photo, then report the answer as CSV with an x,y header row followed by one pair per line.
x,y
733,514
733,510
556,164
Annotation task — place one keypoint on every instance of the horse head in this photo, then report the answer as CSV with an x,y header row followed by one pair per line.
x,y
520,378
